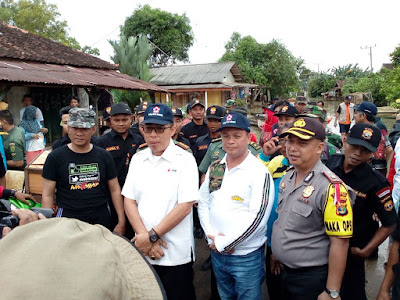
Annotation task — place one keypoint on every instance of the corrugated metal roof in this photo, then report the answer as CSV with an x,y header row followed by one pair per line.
x,y
200,87
194,74
16,43
43,74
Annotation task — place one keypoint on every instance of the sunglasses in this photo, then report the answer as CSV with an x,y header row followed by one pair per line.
x,y
148,129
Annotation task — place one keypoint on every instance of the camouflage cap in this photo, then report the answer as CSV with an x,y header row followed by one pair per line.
x,y
82,118
315,111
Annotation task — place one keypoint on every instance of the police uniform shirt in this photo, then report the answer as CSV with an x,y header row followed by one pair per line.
x,y
373,195
202,144
192,131
135,129
307,215
215,152
159,184
182,139
121,150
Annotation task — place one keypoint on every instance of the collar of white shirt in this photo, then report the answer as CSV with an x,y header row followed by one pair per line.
x,y
243,165
169,154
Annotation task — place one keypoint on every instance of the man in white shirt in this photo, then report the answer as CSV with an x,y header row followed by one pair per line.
x,y
235,202
160,189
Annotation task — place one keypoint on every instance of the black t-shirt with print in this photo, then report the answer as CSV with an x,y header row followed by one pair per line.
x,y
81,178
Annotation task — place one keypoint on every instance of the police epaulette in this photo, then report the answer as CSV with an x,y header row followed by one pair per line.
x,y
255,145
332,177
216,140
182,145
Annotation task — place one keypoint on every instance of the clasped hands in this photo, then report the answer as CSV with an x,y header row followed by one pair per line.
x,y
152,250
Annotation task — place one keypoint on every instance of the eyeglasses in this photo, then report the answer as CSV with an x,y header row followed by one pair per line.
x,y
147,129
282,141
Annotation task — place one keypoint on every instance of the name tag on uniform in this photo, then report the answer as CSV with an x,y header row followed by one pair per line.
x,y
112,148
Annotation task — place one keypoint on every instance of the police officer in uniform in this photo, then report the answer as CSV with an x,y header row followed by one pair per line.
x,y
373,196
122,144
197,127
314,221
214,116
178,123
139,113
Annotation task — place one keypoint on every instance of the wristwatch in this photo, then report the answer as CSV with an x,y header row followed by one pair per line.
x,y
332,293
12,194
153,236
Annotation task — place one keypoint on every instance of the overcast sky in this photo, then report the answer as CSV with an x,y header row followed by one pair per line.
x,y
324,33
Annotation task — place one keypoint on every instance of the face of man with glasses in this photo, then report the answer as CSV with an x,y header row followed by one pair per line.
x,y
158,137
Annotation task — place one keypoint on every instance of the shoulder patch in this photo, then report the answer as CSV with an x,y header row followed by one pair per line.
x,y
255,145
216,140
183,146
332,177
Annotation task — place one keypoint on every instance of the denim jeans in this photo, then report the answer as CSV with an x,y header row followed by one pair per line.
x,y
239,276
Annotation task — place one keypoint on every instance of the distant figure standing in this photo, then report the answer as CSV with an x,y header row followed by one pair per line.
x,y
34,133
344,114
26,101
75,101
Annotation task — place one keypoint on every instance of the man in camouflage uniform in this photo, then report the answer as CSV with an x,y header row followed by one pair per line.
x,y
315,111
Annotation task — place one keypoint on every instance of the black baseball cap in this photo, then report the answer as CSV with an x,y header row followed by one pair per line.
x,y
194,103
120,108
235,120
366,135
158,113
306,128
215,112
177,112
348,97
287,110
142,107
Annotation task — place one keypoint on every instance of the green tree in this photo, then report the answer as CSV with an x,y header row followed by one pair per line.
x,y
391,85
38,17
395,56
320,83
270,65
171,33
132,55
372,83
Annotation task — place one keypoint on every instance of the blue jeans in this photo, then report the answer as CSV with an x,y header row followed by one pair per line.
x,y
239,276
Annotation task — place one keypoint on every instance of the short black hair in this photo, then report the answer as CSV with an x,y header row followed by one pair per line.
x,y
64,111
370,118
76,98
320,101
27,96
5,115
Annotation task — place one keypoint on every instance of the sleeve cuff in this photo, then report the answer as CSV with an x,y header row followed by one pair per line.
x,y
264,158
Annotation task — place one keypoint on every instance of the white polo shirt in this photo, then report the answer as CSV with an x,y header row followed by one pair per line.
x,y
158,184
240,208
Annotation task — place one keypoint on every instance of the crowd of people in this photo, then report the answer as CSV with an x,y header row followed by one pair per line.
x,y
302,208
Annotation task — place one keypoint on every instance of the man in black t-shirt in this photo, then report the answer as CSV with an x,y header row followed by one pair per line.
x,y
197,127
84,176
